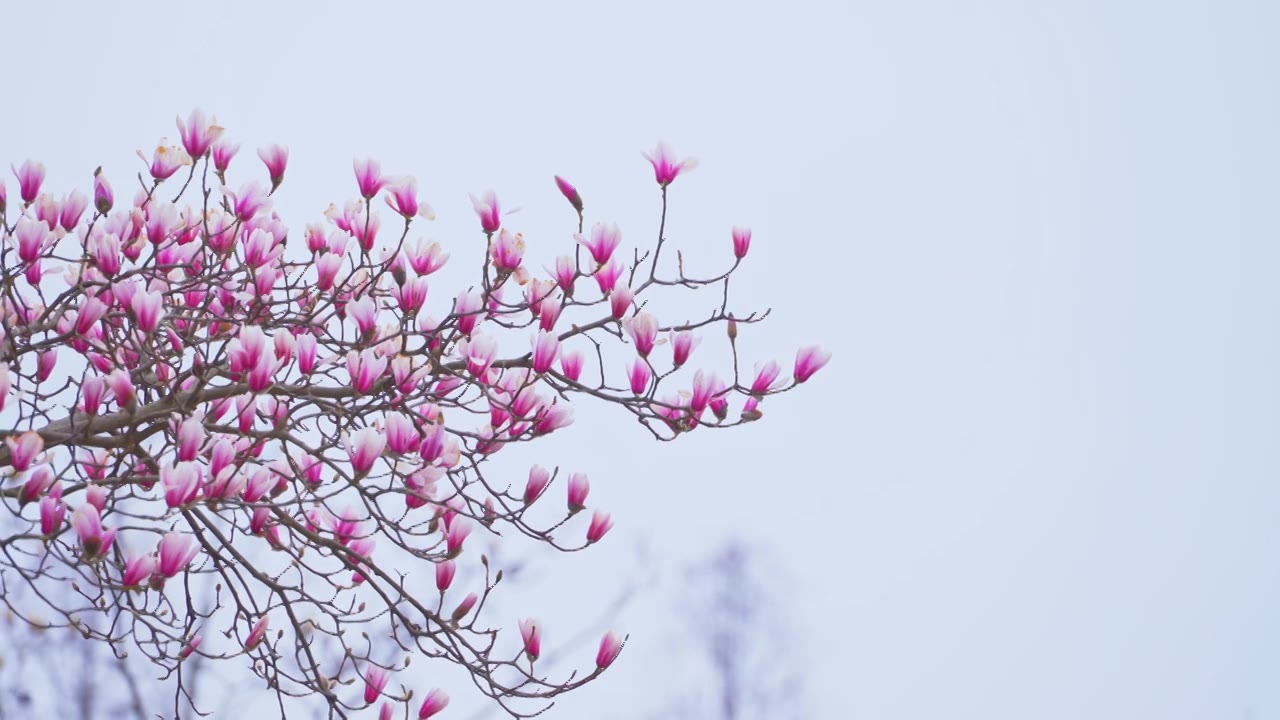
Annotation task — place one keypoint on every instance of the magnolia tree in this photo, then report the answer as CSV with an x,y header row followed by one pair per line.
x,y
223,445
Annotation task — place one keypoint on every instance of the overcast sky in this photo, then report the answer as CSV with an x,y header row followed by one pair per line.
x,y
1039,477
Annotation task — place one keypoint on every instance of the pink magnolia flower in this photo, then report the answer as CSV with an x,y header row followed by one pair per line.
x,y
221,455
365,368
741,242
33,239
226,484
719,401
402,434
368,176
327,268
507,250
406,376
486,207
365,230
607,275
610,646
402,196
46,207
365,446
387,711
604,240
665,166
426,259
565,273
421,485
312,469
33,274
94,463
198,133
121,386
166,160
433,442
161,222
176,552
306,347
578,489
552,418
765,376
137,570
704,386
52,513
410,295
600,524
276,158
252,199
436,701
87,316
620,300
247,409
94,540
30,177
479,353
531,633
364,311
96,495
315,238
257,633
23,449
46,360
261,249
639,376
40,481
467,307
548,312
570,193
181,483
223,151
103,198
190,647
459,529
444,574
260,520
259,376
810,360
538,479
148,308
682,343
545,349
72,208
571,364
285,344
464,607
362,548
643,329
375,679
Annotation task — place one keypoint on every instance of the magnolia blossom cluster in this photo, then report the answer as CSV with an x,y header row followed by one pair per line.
x,y
224,444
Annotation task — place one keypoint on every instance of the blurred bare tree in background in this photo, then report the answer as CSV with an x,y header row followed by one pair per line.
x,y
739,634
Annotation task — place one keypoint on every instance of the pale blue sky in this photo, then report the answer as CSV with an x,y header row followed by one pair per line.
x,y
1039,478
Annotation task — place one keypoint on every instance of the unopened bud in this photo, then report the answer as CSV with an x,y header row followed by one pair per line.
x,y
733,329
